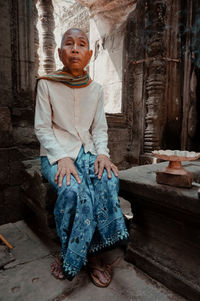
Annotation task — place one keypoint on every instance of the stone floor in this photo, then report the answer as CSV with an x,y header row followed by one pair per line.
x,y
27,276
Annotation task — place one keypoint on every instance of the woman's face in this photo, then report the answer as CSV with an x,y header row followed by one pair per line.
x,y
74,52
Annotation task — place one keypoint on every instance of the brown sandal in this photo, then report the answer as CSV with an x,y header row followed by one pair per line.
x,y
56,269
95,279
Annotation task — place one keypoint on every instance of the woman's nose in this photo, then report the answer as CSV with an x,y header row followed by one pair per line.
x,y
74,48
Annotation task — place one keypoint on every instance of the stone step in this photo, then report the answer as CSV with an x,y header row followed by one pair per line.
x,y
28,278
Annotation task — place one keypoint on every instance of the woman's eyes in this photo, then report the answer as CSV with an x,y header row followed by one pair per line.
x,y
70,44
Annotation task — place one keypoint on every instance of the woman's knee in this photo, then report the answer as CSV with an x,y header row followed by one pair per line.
x,y
67,199
113,178
70,194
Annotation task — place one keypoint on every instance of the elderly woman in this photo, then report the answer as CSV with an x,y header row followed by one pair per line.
x,y
71,126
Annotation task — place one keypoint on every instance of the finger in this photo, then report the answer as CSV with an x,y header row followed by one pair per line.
x,y
56,176
76,176
68,176
101,168
61,176
115,170
96,167
108,168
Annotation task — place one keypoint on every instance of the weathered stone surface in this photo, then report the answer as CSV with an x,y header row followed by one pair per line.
x,y
5,256
45,14
22,117
35,187
164,236
24,135
13,207
32,280
16,83
39,197
5,127
117,144
5,56
27,246
11,166
115,12
4,163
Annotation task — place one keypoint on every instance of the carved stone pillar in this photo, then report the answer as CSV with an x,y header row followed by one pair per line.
x,y
22,47
48,24
36,36
156,72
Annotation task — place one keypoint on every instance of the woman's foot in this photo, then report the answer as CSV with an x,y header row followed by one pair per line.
x,y
56,269
99,272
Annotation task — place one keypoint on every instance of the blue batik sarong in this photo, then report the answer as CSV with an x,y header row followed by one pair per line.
x,y
88,216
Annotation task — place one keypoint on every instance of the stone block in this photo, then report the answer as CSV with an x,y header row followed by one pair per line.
x,y
174,180
39,197
22,116
11,167
5,49
4,163
5,127
35,188
24,135
13,208
15,176
6,81
6,94
164,235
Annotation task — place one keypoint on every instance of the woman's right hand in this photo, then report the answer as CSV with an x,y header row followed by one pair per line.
x,y
66,167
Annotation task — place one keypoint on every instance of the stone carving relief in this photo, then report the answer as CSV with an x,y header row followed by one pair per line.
x,y
156,72
115,11
48,25
36,37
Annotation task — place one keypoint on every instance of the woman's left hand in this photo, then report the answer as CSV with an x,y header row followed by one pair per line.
x,y
102,161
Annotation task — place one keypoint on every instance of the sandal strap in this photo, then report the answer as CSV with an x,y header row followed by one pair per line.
x,y
96,267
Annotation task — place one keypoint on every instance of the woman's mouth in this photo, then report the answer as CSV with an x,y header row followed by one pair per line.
x,y
75,59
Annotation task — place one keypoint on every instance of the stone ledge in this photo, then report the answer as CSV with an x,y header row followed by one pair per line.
x,y
164,235
39,196
142,181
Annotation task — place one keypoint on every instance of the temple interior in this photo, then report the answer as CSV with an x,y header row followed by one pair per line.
x,y
146,55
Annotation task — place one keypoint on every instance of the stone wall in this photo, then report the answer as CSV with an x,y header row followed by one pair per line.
x,y
17,140
161,74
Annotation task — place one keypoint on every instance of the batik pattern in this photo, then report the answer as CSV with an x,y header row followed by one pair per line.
x,y
88,216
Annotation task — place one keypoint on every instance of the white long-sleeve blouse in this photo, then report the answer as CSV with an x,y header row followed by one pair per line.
x,y
67,118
